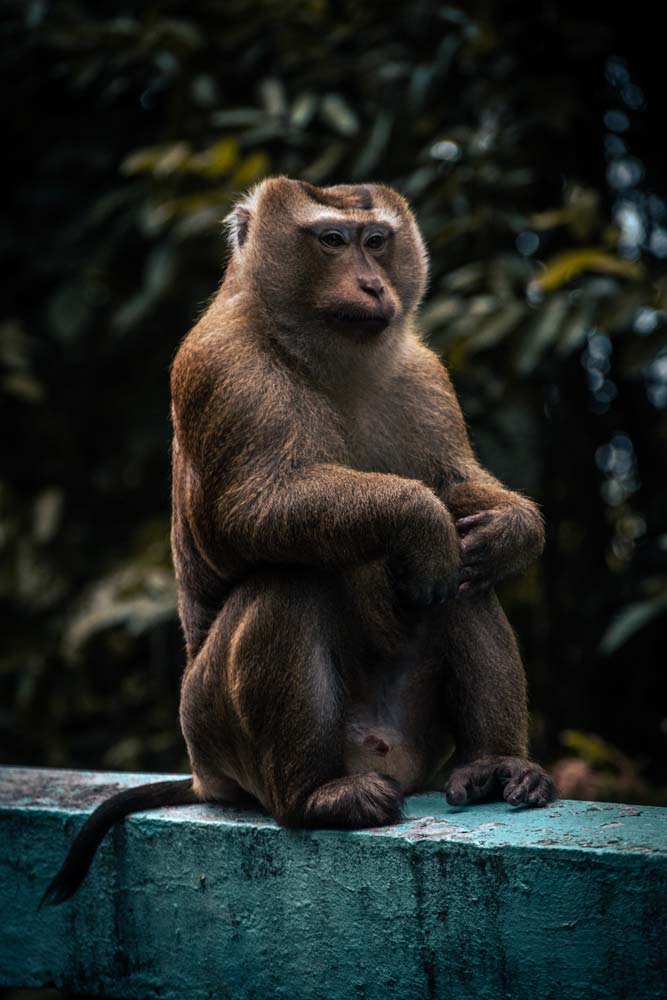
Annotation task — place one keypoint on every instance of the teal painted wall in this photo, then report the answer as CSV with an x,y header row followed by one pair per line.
x,y
487,903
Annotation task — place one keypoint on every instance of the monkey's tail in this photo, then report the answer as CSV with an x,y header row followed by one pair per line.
x,y
80,855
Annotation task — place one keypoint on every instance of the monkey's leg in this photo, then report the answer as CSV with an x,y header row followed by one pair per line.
x,y
264,701
485,699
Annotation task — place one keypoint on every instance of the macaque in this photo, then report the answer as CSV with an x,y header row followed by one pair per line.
x,y
335,540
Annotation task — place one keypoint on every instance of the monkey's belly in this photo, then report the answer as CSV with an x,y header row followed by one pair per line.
x,y
375,745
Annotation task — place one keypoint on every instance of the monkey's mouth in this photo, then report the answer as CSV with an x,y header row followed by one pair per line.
x,y
367,322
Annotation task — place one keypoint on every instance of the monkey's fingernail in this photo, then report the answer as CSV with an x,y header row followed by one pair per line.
x,y
466,523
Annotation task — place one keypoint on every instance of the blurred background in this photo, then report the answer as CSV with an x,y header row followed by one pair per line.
x,y
530,142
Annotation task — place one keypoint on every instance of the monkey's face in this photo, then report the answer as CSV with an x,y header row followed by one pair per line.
x,y
348,265
345,260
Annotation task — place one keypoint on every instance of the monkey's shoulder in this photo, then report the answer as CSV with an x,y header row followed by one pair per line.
x,y
422,393
211,355
215,359
421,364
238,396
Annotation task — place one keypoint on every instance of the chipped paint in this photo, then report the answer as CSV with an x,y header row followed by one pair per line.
x,y
205,902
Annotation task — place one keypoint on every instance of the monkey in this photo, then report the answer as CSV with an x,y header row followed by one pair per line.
x,y
336,542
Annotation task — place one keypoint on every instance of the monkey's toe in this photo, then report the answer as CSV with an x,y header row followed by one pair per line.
x,y
535,788
470,783
527,785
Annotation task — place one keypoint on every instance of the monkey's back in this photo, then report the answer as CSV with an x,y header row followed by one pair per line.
x,y
240,423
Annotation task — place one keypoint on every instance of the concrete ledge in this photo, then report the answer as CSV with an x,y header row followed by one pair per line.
x,y
203,902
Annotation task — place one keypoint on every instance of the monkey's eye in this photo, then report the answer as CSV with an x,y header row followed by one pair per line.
x,y
375,242
332,239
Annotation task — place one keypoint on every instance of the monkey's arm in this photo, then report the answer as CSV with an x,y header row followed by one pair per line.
x,y
330,515
261,473
501,531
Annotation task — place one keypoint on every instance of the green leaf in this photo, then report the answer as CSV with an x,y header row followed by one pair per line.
x,y
629,621
567,265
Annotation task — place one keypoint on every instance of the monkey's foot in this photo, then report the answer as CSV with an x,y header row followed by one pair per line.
x,y
353,802
519,781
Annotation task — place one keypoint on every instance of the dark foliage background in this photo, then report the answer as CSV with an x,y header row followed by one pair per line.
x,y
530,143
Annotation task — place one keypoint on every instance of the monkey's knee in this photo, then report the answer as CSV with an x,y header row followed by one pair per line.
x,y
351,802
282,652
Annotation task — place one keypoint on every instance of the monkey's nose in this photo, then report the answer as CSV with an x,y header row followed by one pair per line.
x,y
373,286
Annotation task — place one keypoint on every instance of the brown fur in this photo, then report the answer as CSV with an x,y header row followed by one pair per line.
x,y
335,540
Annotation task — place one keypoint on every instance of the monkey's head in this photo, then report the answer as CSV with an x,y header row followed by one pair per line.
x,y
344,263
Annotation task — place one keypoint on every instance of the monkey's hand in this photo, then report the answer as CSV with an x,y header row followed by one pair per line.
x,y
426,557
495,543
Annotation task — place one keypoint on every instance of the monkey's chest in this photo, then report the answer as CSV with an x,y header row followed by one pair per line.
x,y
401,446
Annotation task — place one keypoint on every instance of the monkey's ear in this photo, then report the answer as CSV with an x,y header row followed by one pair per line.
x,y
238,224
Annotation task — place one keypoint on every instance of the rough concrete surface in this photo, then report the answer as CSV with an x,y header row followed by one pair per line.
x,y
208,902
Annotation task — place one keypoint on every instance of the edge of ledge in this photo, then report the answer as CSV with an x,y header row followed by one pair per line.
x,y
612,828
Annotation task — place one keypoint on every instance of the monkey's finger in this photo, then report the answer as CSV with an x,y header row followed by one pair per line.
x,y
473,588
464,524
477,576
